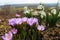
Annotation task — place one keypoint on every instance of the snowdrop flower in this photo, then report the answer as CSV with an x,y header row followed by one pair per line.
x,y
42,13
40,7
42,16
14,30
7,36
53,11
25,8
40,27
59,14
26,11
49,13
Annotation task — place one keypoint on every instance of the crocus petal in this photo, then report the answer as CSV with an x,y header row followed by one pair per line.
x,y
11,21
30,21
40,27
14,31
10,34
7,36
24,19
3,37
17,15
18,21
35,20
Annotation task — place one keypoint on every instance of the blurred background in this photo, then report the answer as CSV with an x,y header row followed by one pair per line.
x,y
11,6
26,8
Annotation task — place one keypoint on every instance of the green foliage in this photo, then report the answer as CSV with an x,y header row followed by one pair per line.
x,y
52,19
41,18
28,14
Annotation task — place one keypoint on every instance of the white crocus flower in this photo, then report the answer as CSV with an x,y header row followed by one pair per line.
x,y
53,11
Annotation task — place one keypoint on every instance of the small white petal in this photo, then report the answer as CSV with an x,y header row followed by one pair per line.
x,y
53,11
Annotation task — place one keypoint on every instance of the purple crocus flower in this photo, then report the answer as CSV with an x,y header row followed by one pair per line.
x,y
24,19
18,21
14,21
7,36
35,20
17,15
40,27
11,21
30,21
14,30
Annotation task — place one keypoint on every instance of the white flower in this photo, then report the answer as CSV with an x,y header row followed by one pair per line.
x,y
25,8
42,16
40,7
49,13
59,14
53,11
26,11
42,13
